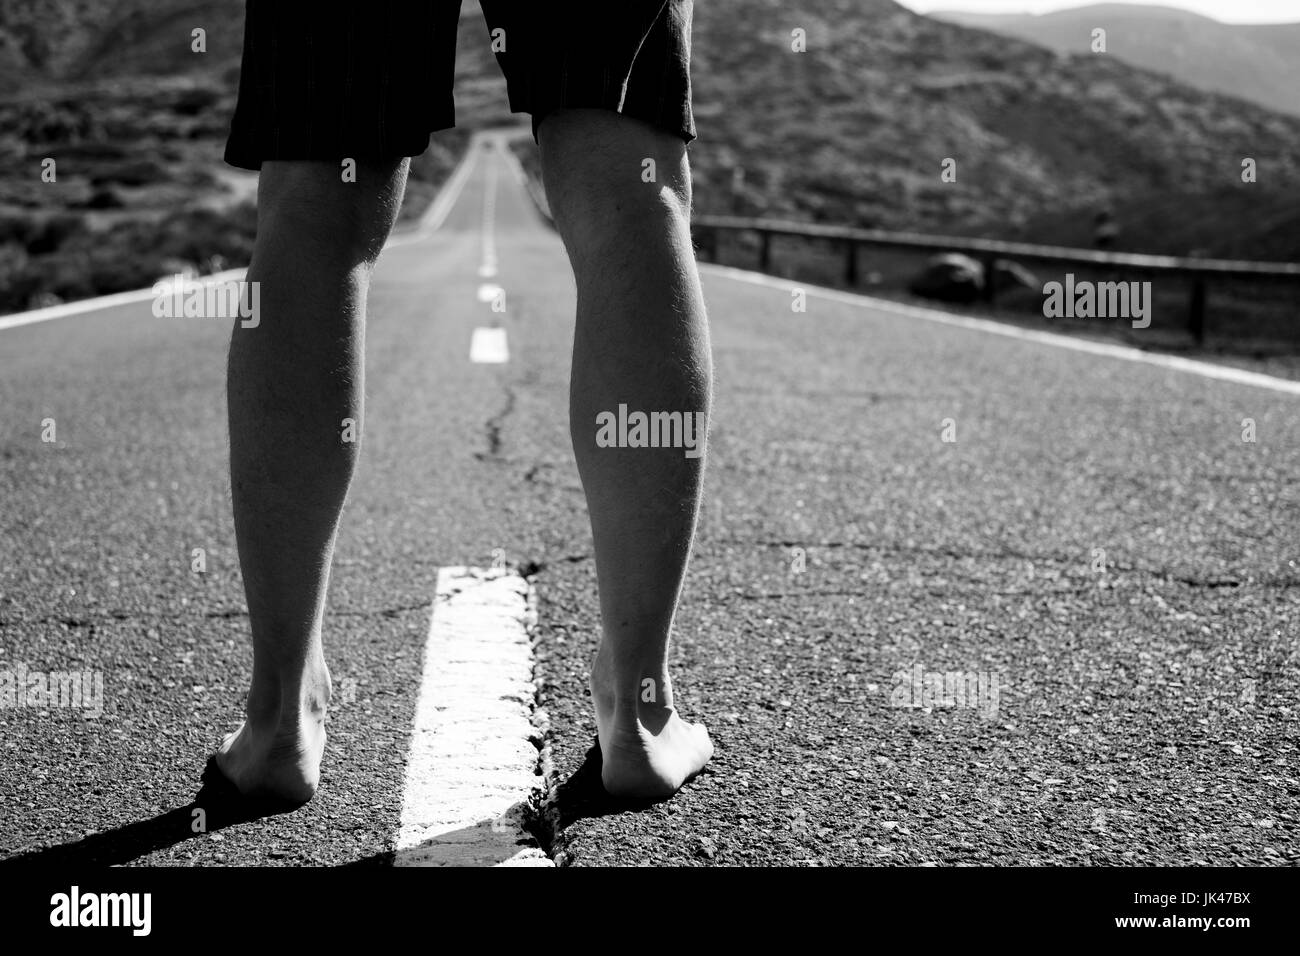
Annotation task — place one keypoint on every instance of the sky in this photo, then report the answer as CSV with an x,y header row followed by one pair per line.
x,y
1228,11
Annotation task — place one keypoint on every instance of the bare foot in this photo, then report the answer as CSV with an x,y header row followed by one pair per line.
x,y
280,759
647,751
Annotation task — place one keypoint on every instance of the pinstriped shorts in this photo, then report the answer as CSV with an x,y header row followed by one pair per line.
x,y
321,81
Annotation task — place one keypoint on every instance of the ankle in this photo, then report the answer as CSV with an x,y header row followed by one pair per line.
x,y
286,702
633,685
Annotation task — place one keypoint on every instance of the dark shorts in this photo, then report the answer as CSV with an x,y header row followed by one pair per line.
x,y
374,80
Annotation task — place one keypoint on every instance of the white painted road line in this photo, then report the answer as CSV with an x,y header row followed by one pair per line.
x,y
488,268
450,192
1192,366
488,346
65,309
473,767
531,189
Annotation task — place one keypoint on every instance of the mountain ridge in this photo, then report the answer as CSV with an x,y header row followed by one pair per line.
x,y
1255,62
854,130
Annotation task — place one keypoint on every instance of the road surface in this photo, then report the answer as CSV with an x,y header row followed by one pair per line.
x,y
888,497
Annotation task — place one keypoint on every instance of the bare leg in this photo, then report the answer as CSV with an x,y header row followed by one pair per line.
x,y
292,380
641,340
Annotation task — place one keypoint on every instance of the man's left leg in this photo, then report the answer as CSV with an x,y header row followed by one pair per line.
x,y
642,341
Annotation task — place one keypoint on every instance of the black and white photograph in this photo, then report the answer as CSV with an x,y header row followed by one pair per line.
x,y
853,435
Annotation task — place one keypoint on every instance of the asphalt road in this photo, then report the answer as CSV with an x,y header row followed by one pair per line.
x,y
1145,715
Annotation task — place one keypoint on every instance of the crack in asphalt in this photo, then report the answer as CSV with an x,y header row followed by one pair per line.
x,y
227,615
875,398
765,595
1281,582
493,428
380,612
537,819
535,567
531,477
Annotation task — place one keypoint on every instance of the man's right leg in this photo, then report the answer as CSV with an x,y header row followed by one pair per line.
x,y
292,380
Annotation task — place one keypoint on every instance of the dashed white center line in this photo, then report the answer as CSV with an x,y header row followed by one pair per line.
x,y
488,346
488,268
473,766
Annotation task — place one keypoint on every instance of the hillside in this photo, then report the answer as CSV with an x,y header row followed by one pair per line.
x,y
61,41
136,122
854,130
1256,62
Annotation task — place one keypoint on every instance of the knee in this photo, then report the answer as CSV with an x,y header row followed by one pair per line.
x,y
611,178
308,204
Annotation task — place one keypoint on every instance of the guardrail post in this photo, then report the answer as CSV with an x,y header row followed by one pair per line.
x,y
990,255
990,279
709,243
1196,316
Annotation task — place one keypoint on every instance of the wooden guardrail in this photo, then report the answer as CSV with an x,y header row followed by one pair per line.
x,y
1198,272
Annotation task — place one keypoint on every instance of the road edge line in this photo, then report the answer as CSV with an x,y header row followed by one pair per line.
x,y
428,223
1126,353
65,309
